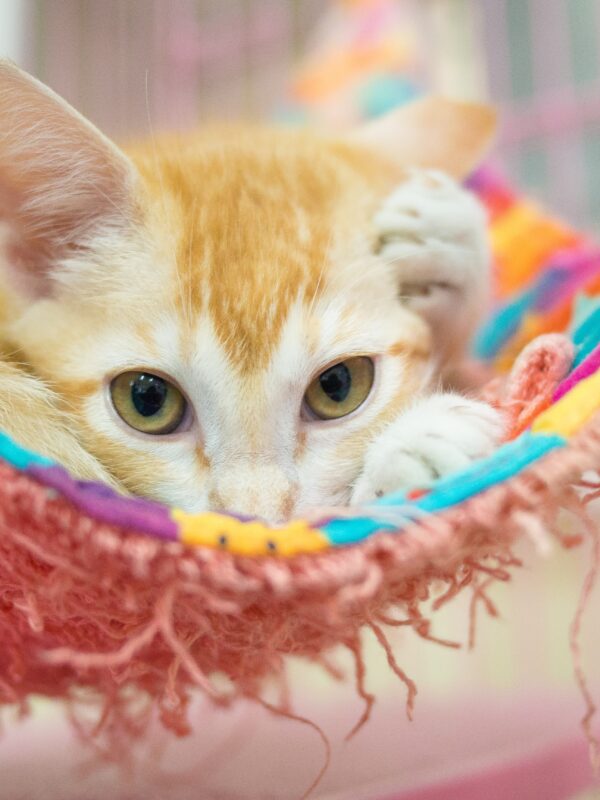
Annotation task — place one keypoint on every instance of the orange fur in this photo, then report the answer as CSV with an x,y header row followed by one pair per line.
x,y
253,210
238,262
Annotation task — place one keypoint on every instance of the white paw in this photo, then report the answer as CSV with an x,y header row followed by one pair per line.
x,y
436,437
435,234
428,207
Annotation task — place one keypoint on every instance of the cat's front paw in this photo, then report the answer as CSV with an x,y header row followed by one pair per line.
x,y
435,234
428,209
437,436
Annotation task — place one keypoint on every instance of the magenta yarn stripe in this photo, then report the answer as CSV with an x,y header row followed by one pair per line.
x,y
584,370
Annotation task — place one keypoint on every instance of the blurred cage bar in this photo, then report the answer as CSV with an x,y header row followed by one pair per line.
x,y
131,63
543,68
173,62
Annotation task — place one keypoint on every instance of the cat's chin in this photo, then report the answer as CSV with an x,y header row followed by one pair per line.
x,y
312,513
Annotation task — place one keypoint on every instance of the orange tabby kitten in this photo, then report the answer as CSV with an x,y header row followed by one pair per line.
x,y
241,318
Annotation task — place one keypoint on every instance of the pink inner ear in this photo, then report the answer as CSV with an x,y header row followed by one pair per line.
x,y
60,179
24,262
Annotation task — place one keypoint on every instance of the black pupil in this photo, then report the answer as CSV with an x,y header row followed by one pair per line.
x,y
148,394
336,382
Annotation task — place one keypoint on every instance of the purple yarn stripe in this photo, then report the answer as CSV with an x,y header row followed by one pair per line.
x,y
486,178
584,370
570,270
103,504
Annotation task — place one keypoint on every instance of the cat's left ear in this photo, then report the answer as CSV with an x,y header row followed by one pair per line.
x,y
433,133
62,182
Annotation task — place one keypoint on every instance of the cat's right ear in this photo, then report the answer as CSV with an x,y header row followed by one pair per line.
x,y
431,133
61,181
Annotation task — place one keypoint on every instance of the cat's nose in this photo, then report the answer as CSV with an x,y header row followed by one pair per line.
x,y
258,490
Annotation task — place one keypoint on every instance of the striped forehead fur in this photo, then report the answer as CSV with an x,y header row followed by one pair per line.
x,y
258,220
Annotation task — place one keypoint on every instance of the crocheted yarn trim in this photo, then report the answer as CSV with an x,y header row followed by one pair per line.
x,y
94,605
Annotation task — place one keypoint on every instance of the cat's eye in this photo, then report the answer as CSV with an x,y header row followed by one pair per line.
x,y
340,389
147,402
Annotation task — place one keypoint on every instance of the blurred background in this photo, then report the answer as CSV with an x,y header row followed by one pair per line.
x,y
136,65
177,62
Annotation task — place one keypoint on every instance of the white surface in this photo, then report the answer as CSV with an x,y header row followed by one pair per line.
x,y
245,754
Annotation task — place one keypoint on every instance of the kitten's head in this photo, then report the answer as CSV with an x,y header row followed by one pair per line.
x,y
233,315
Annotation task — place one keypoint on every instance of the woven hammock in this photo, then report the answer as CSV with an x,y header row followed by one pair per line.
x,y
130,599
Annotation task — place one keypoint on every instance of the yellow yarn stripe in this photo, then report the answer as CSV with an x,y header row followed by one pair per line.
x,y
572,411
247,538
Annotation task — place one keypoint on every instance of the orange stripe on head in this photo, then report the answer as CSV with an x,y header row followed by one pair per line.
x,y
252,226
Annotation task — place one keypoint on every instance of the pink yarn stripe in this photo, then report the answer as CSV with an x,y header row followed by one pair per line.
x,y
584,370
554,774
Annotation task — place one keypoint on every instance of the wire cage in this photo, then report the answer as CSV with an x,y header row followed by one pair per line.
x,y
139,64
172,63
